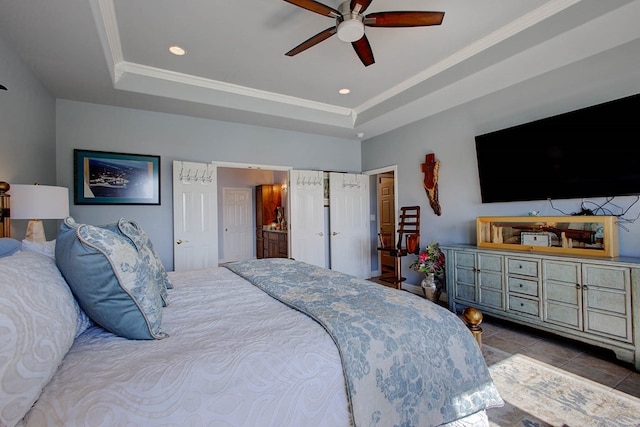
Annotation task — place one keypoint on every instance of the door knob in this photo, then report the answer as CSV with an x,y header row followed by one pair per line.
x,y
181,241
320,234
335,233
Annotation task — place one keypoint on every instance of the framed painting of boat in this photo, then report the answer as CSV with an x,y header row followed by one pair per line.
x,y
107,178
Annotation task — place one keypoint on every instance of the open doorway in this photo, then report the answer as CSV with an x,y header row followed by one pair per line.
x,y
386,221
232,177
385,193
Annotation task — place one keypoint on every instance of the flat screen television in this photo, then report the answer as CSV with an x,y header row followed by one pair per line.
x,y
591,152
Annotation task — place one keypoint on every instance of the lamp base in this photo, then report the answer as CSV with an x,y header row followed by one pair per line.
x,y
35,231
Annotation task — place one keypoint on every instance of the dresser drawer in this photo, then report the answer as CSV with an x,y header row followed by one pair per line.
x,y
523,286
490,263
524,305
490,280
562,271
465,259
465,292
466,276
523,267
491,298
613,278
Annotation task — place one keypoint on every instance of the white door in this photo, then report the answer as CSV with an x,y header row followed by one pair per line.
x,y
349,224
237,222
306,217
195,216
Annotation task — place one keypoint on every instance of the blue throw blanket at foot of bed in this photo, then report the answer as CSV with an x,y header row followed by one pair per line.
x,y
406,360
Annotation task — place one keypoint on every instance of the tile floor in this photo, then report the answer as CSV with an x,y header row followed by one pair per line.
x,y
596,364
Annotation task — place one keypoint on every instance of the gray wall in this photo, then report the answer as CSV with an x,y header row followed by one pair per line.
x,y
450,135
27,131
105,128
36,128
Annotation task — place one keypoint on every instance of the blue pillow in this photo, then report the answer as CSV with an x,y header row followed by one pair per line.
x,y
139,239
9,246
112,283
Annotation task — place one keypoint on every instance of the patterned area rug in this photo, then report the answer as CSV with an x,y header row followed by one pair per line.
x,y
540,395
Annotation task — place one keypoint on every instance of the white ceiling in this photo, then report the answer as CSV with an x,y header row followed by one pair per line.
x,y
114,52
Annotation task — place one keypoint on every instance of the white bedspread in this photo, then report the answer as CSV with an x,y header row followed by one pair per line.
x,y
234,357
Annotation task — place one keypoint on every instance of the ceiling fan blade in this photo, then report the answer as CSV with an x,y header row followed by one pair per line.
x,y
322,35
403,19
363,49
364,4
316,7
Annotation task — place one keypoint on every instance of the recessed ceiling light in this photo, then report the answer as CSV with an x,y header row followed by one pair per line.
x,y
177,50
360,135
344,91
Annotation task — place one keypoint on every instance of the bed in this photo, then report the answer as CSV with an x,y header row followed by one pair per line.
x,y
245,344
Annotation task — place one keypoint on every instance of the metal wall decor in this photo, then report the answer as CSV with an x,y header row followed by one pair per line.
x,y
430,168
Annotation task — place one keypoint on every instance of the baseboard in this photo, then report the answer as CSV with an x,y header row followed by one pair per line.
x,y
414,289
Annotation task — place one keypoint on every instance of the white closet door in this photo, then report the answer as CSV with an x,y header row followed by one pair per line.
x,y
195,216
349,224
306,222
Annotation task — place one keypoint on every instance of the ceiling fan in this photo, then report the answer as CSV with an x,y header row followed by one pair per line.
x,y
350,23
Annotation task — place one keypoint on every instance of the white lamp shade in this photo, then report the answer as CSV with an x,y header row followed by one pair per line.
x,y
39,202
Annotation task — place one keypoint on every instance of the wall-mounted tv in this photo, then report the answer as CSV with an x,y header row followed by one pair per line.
x,y
591,152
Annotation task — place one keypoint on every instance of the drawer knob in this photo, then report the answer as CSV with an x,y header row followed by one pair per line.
x,y
520,284
520,266
521,304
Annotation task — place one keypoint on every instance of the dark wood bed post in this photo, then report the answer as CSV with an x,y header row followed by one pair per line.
x,y
472,317
5,221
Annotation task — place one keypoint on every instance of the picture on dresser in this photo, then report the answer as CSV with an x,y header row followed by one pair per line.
x,y
108,178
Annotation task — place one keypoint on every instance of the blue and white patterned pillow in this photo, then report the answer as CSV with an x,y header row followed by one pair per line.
x,y
132,230
113,284
138,238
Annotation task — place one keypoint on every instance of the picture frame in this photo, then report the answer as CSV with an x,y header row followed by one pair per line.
x,y
109,178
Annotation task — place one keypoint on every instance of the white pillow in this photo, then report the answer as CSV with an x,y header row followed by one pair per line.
x,y
44,248
38,321
48,248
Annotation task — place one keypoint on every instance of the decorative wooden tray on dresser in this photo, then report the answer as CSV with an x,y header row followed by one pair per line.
x,y
570,235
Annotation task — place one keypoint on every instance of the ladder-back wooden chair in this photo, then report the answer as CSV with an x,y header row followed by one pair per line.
x,y
409,233
5,203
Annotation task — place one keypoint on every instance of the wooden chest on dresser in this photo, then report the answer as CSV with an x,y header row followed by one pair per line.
x,y
586,299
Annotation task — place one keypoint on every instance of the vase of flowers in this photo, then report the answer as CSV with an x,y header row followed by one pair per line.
x,y
431,262
430,287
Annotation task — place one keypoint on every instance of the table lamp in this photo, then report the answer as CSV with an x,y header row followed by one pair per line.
x,y
38,202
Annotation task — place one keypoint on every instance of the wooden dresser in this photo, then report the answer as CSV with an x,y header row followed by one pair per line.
x,y
590,299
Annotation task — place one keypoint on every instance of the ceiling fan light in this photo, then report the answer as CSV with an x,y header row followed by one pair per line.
x,y
350,30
